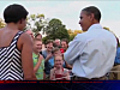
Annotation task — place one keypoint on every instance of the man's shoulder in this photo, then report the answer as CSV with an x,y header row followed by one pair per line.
x,y
82,34
81,37
107,32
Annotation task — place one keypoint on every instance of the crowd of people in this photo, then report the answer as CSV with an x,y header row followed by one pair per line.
x,y
48,60
90,56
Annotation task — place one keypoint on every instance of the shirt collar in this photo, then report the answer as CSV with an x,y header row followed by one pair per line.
x,y
95,26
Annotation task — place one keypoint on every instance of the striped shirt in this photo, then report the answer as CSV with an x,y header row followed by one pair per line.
x,y
10,61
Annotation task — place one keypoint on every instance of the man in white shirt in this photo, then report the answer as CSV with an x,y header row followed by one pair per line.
x,y
91,53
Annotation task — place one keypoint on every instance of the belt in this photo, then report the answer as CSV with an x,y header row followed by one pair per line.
x,y
116,64
83,78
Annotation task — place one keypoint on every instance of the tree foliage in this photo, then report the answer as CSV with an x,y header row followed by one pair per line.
x,y
36,22
73,33
106,28
2,23
56,29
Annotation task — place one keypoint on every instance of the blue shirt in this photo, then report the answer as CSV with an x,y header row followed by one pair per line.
x,y
117,57
48,65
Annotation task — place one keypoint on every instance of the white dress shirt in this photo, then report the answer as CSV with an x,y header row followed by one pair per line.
x,y
92,53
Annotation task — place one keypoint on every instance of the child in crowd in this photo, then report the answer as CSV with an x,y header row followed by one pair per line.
x,y
38,60
59,72
56,51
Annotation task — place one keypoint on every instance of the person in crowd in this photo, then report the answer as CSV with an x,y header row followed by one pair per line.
x,y
59,72
29,32
43,46
38,36
15,46
90,52
54,44
56,51
38,60
57,43
117,57
49,58
64,46
115,71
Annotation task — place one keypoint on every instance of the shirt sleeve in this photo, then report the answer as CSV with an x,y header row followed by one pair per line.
x,y
43,54
74,51
43,63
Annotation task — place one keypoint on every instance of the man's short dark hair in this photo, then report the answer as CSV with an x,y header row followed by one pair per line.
x,y
64,40
94,10
14,13
49,41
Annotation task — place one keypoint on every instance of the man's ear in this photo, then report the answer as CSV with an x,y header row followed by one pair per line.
x,y
92,16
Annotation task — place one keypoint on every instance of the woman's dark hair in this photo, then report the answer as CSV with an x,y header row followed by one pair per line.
x,y
14,13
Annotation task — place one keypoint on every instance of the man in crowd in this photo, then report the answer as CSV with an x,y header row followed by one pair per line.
x,y
29,32
49,58
57,42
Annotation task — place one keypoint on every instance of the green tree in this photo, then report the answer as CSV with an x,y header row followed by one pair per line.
x,y
73,33
56,29
2,23
106,28
36,22
44,39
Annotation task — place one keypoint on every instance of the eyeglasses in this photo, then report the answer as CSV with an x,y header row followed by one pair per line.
x,y
50,47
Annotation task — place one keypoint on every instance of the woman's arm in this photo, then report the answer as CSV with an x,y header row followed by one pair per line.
x,y
26,46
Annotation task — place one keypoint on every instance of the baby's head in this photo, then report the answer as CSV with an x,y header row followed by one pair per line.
x,y
58,61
